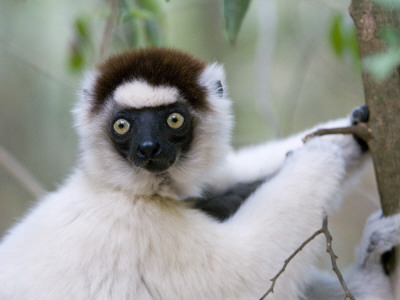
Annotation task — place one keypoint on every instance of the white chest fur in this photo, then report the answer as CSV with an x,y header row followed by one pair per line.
x,y
89,244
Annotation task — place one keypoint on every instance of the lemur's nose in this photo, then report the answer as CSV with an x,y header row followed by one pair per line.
x,y
148,149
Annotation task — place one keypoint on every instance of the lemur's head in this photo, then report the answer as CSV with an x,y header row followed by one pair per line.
x,y
154,121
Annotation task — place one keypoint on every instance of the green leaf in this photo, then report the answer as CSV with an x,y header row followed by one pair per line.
x,y
152,5
81,29
234,12
336,34
141,13
343,40
81,44
76,60
135,14
380,65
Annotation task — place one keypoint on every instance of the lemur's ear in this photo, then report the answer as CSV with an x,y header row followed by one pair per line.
x,y
83,107
213,78
219,89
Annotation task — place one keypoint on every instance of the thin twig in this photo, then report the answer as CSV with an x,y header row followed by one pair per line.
x,y
323,230
106,38
273,280
20,173
333,256
361,130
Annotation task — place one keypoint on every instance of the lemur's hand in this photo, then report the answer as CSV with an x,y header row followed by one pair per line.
x,y
360,115
368,279
381,234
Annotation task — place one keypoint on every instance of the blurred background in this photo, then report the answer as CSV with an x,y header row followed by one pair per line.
x,y
292,65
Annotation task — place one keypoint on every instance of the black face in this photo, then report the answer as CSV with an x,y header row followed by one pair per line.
x,y
152,138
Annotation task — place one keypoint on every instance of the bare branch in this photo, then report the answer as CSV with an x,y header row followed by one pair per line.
x,y
333,256
323,230
20,173
287,261
106,38
361,130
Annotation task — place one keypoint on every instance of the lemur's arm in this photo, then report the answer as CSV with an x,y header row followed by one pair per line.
x,y
246,169
254,163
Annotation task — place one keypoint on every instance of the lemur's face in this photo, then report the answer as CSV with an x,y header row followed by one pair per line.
x,y
154,115
155,93
152,138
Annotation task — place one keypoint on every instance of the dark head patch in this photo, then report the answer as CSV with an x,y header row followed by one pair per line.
x,y
157,66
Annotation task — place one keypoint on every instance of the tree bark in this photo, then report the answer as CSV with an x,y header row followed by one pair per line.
x,y
383,99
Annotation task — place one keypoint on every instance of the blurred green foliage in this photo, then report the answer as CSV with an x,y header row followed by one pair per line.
x,y
343,40
380,65
234,12
143,22
138,23
341,35
81,45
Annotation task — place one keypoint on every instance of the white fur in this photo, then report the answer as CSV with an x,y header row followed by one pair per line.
x,y
113,231
212,74
87,241
139,94
265,159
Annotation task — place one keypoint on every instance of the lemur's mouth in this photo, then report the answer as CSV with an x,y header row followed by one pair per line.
x,y
156,166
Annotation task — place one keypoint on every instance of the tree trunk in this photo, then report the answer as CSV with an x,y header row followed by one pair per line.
x,y
383,99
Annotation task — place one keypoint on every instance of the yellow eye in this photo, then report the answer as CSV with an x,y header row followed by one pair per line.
x,y
121,126
175,120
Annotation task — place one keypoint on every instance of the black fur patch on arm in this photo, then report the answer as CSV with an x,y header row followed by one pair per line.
x,y
224,204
